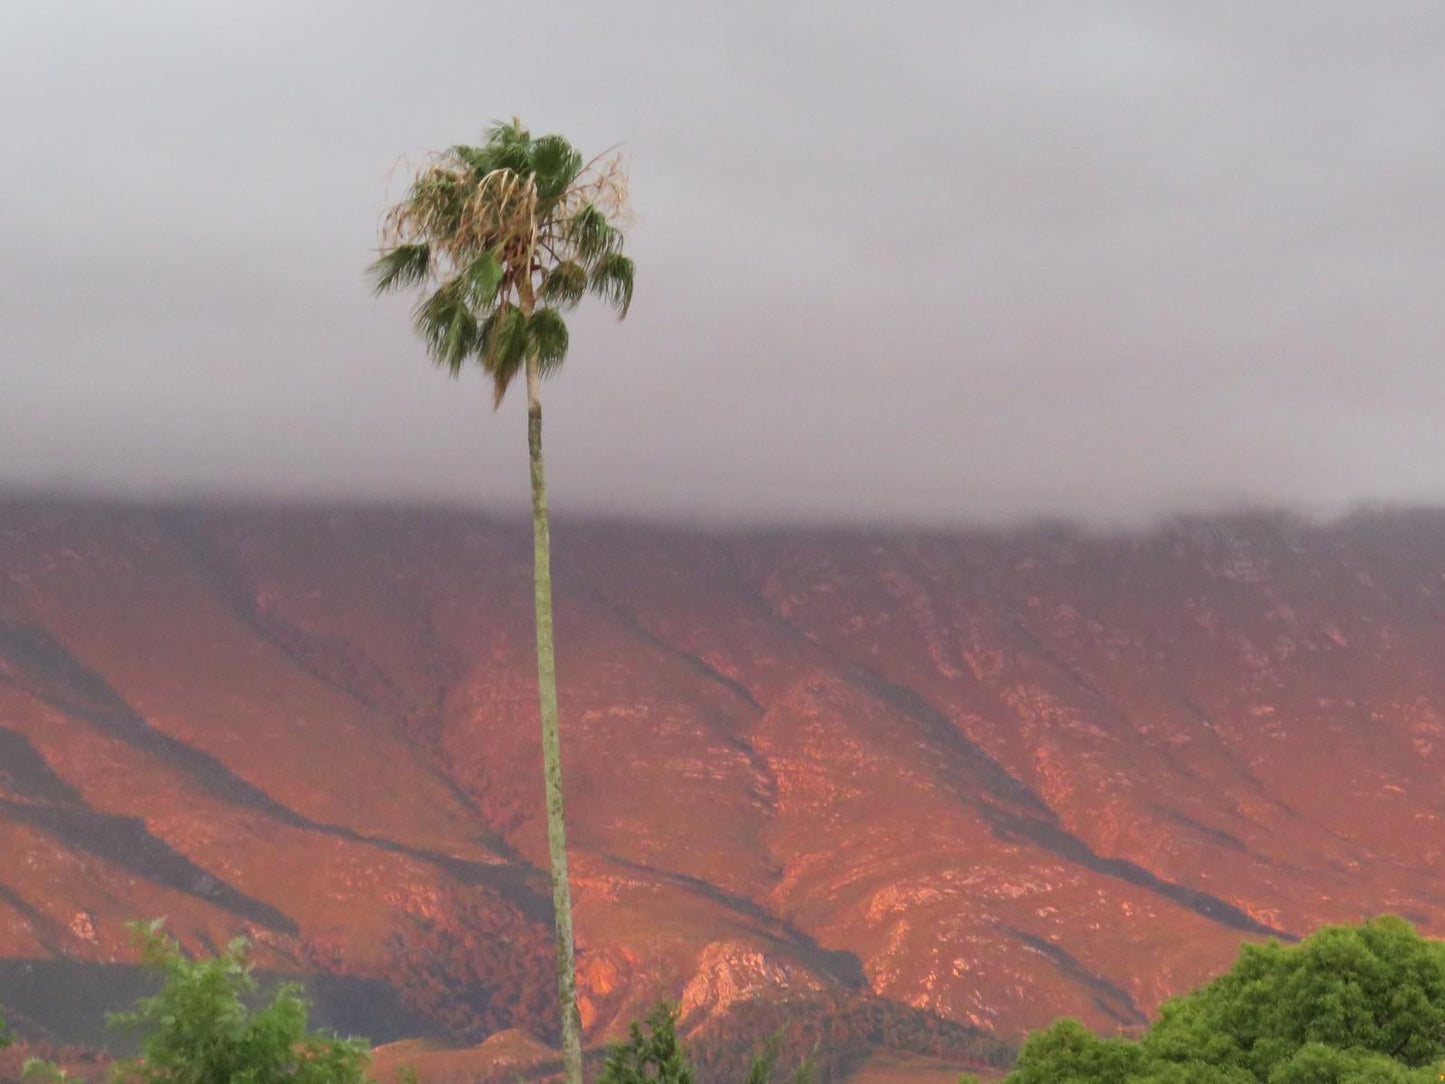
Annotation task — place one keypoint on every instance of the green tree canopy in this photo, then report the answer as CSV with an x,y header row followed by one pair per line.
x,y
1350,1005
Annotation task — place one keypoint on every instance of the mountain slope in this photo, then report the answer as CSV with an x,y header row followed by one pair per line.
x,y
991,778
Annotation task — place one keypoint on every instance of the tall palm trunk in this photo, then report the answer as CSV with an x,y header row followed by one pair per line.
x,y
551,747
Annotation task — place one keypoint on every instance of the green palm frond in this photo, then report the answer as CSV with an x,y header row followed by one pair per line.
x,y
611,280
504,336
501,132
591,233
555,164
403,266
479,161
565,284
547,339
480,280
510,146
447,327
503,341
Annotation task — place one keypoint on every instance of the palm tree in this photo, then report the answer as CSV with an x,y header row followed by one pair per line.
x,y
500,240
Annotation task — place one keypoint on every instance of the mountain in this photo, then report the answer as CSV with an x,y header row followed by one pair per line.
x,y
920,791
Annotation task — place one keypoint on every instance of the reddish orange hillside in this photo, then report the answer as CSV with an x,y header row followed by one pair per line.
x,y
985,779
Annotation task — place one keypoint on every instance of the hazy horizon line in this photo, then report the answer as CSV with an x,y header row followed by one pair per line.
x,y
235,501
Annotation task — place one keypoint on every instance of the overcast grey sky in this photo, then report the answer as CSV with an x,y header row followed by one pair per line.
x,y
955,261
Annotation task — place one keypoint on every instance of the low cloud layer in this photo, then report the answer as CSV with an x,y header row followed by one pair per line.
x,y
916,261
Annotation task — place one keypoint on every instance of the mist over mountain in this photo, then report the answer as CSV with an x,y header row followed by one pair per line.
x,y
939,263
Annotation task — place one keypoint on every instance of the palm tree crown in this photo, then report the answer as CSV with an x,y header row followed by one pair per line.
x,y
503,239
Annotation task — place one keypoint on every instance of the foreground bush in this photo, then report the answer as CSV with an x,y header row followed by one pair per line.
x,y
1351,1005
207,1027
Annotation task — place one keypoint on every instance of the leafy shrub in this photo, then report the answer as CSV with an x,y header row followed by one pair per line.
x,y
206,1027
1350,1005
